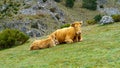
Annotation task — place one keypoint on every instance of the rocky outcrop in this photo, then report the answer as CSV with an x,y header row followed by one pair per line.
x,y
118,1
35,27
30,27
102,7
101,2
34,33
48,7
110,11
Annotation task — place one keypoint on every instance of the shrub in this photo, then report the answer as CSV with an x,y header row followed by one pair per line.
x,y
69,3
34,25
57,0
10,37
101,6
65,25
91,22
44,0
89,4
116,18
97,18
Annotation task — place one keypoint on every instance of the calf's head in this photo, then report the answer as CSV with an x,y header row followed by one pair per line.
x,y
53,38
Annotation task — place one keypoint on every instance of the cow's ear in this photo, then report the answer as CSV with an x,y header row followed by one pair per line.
x,y
72,24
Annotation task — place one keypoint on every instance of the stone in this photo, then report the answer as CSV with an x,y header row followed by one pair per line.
x,y
34,33
111,11
37,26
1,27
101,2
28,11
3,7
24,29
45,8
106,20
41,25
118,1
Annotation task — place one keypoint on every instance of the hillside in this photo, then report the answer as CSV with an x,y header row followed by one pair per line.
x,y
100,48
77,13
40,17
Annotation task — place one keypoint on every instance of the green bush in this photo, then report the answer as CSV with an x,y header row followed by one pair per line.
x,y
116,18
91,22
89,4
10,37
101,6
34,25
97,18
65,25
69,3
44,0
57,0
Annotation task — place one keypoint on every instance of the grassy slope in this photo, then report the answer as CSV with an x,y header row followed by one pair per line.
x,y
99,49
77,13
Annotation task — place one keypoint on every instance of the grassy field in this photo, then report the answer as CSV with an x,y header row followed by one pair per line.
x,y
100,48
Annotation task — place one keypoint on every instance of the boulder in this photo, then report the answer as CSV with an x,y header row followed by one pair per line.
x,y
106,20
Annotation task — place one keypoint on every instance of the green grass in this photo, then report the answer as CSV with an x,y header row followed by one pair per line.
x,y
100,48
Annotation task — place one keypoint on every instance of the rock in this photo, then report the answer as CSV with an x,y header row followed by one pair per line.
x,y
41,25
28,1
61,16
118,1
38,26
3,7
51,7
34,33
101,2
101,6
41,1
9,25
1,27
106,20
45,8
24,29
28,11
111,11
35,26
